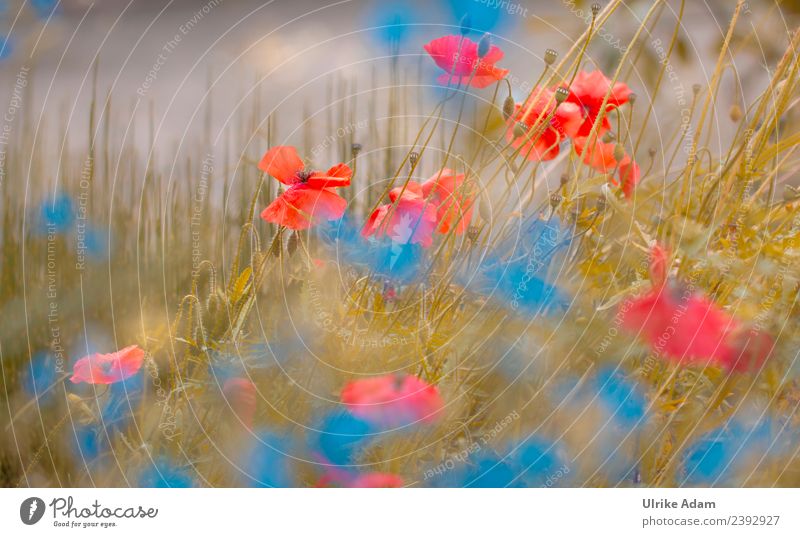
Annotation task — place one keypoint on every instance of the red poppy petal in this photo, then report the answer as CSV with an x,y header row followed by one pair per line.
x,y
599,156
453,54
335,177
302,206
282,163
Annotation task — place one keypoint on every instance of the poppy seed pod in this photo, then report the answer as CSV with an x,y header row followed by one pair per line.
x,y
483,45
608,137
508,107
696,88
550,56
291,244
466,24
561,94
619,152
413,157
520,129
631,97
735,113
356,149
596,9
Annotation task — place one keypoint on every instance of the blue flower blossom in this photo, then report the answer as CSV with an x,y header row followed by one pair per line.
x,y
164,474
40,376
57,213
489,472
623,399
341,435
384,258
539,462
6,47
43,8
485,16
391,23
268,463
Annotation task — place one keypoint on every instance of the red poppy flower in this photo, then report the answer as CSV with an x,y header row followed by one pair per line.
x,y
600,156
393,400
345,478
588,91
454,203
108,368
310,196
409,218
241,396
629,175
687,327
659,257
458,57
542,139
377,480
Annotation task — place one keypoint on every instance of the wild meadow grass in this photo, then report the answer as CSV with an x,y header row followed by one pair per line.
x,y
572,326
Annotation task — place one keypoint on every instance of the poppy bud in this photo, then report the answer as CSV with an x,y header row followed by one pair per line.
x,y
520,129
508,107
466,24
550,56
564,179
619,152
608,137
596,9
561,94
276,248
291,244
696,88
735,113
651,152
483,45
632,98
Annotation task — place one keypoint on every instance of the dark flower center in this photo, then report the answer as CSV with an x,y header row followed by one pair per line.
x,y
303,175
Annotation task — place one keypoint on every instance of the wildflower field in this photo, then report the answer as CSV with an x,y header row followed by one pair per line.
x,y
443,256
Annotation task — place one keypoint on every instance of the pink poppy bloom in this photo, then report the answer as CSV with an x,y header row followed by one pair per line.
x,y
543,137
454,203
458,57
689,328
310,196
659,258
346,478
685,328
241,396
108,368
393,400
377,480
629,175
588,91
600,156
409,218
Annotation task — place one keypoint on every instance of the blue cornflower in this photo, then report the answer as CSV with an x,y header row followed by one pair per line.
x,y
57,213
164,474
